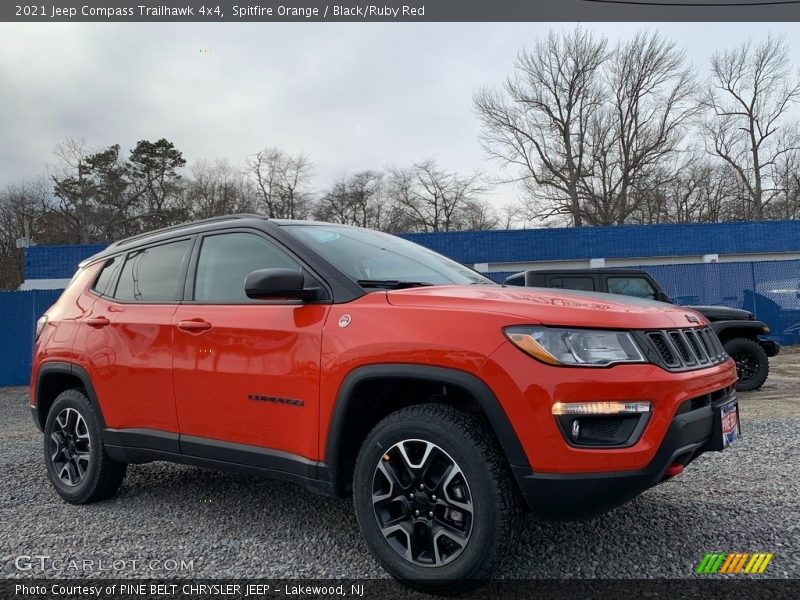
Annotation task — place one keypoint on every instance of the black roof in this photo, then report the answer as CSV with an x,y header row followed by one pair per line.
x,y
590,271
193,227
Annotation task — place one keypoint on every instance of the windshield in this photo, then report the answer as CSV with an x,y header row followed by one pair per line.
x,y
377,259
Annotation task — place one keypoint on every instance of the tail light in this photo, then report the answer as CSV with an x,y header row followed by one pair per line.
x,y
40,325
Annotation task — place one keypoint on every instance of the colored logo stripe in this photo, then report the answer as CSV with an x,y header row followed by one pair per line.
x,y
737,562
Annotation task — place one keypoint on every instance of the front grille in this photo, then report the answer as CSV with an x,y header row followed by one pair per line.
x,y
680,349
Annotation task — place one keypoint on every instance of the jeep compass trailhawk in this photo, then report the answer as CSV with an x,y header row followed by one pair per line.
x,y
354,362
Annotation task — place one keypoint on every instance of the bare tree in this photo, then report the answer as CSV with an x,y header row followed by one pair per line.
x,y
216,188
359,199
432,198
540,122
751,90
641,128
283,183
23,206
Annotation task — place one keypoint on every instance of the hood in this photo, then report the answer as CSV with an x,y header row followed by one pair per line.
x,y
723,313
551,307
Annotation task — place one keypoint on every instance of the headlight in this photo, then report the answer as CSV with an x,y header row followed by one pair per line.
x,y
581,347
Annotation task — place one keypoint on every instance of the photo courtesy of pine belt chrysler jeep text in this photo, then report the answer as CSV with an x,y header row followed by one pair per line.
x,y
354,362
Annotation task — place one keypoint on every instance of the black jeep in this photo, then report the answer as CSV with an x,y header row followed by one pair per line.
x,y
738,329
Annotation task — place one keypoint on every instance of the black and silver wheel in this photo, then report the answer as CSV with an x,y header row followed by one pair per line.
x,y
752,363
77,464
70,447
434,498
422,503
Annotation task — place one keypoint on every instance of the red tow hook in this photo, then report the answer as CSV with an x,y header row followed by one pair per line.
x,y
674,469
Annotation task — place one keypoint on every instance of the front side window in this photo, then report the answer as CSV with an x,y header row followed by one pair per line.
x,y
151,274
226,260
637,287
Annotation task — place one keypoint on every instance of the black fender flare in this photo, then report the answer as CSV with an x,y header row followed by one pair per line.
x,y
750,329
498,420
67,368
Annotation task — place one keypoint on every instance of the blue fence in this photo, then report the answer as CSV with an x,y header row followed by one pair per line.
x,y
770,289
20,311
619,241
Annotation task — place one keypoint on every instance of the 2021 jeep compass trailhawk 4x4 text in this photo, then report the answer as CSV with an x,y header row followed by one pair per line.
x,y
354,362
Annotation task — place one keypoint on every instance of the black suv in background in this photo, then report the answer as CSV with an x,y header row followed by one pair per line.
x,y
738,329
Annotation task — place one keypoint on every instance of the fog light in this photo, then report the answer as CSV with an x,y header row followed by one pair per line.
x,y
576,430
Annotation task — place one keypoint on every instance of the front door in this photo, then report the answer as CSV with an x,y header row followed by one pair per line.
x,y
246,371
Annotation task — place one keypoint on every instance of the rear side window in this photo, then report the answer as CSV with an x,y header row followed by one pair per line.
x,y
584,284
226,259
107,276
151,275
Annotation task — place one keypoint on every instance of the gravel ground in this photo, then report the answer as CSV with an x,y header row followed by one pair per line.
x,y
228,525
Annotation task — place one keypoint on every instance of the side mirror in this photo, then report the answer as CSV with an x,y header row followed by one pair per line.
x,y
662,297
277,283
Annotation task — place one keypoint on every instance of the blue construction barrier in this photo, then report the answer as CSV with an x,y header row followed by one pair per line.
x,y
20,312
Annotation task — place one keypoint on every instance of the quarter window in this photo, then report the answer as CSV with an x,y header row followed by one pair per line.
x,y
107,276
226,260
151,274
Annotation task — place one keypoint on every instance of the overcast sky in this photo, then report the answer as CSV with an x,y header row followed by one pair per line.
x,y
352,96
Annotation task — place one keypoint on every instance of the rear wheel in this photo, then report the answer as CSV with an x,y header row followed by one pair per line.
x,y
752,363
434,498
77,464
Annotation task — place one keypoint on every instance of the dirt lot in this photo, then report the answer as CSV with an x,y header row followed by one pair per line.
x,y
744,499
780,396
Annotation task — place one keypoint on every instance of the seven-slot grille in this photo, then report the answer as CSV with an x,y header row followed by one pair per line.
x,y
687,348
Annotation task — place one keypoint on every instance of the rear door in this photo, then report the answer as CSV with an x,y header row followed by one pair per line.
x,y
246,371
127,338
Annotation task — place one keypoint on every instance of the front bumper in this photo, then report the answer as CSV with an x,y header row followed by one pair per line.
x,y
692,432
771,348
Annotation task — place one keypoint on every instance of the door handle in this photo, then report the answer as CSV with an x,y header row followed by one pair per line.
x,y
194,325
97,322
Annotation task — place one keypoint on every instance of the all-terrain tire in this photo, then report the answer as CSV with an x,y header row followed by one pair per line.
x,y
77,463
752,363
455,443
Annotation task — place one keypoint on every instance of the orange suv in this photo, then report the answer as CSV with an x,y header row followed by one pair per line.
x,y
354,362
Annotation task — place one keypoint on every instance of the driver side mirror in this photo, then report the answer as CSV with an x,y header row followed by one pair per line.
x,y
278,284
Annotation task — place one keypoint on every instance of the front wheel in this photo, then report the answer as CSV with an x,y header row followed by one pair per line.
x,y
434,498
752,363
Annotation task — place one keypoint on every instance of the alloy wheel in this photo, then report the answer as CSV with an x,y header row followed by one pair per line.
x,y
422,503
746,365
70,447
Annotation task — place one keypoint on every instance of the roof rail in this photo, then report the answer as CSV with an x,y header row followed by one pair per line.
x,y
140,236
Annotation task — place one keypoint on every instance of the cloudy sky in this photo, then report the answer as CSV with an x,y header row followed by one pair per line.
x,y
352,96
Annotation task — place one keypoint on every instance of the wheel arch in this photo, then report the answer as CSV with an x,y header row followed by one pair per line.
x,y
56,377
353,417
727,330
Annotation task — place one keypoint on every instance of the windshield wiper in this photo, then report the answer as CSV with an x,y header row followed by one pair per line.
x,y
390,284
